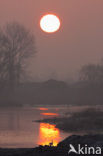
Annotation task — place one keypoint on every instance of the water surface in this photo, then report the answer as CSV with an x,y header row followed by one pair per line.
x,y
18,131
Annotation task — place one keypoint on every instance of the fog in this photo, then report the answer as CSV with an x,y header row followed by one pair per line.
x,y
78,42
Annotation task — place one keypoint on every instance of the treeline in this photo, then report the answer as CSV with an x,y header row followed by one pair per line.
x,y
59,93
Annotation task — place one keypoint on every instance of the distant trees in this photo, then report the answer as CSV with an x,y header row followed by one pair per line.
x,y
92,73
17,44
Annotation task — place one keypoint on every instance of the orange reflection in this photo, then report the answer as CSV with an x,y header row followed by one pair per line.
x,y
48,134
50,114
43,108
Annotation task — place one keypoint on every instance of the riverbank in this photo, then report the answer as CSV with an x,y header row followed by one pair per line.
x,y
85,122
61,149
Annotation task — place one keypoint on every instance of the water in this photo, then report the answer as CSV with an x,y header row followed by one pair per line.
x,y
18,131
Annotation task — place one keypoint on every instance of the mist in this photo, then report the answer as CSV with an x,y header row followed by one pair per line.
x,y
78,42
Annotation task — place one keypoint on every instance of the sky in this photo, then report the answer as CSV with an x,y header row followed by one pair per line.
x,y
79,40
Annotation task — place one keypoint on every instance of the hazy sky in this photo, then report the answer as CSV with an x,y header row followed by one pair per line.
x,y
79,41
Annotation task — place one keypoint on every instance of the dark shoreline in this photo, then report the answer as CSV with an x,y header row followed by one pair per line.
x,y
89,121
60,150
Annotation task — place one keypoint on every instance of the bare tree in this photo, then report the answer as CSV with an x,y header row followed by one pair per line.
x,y
17,45
3,58
92,73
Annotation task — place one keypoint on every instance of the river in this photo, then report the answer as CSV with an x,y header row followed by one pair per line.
x,y
17,129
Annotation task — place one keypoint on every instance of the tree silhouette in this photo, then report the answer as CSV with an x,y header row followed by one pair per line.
x,y
92,73
17,45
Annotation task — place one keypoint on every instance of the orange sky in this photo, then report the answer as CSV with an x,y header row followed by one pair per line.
x,y
79,40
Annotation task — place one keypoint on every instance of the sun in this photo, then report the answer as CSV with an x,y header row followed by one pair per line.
x,y
50,23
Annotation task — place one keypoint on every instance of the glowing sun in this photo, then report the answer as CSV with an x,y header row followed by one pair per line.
x,y
50,23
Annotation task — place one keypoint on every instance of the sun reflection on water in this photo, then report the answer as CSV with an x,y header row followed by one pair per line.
x,y
48,133
50,114
41,108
